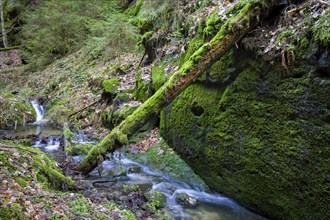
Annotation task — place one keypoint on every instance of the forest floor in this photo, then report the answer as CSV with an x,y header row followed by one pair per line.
x,y
24,196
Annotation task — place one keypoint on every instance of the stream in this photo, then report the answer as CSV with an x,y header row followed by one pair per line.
x,y
196,203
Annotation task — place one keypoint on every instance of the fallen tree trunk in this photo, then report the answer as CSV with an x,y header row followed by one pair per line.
x,y
247,15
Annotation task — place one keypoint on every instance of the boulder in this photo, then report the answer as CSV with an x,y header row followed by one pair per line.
x,y
117,170
157,199
186,200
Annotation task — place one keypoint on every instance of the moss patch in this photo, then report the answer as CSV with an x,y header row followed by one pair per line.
x,y
110,85
260,139
79,149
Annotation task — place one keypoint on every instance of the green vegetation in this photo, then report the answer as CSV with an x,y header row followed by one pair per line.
x,y
79,149
255,129
131,188
321,32
26,189
142,89
156,200
47,170
73,22
110,85
15,110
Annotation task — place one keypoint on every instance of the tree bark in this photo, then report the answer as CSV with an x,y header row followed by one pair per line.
x,y
245,18
3,29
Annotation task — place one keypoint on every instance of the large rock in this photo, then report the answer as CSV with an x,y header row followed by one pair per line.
x,y
258,136
157,199
117,170
186,200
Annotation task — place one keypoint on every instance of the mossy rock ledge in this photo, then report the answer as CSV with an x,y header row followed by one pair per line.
x,y
260,137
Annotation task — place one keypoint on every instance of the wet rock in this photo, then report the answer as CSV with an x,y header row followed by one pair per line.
x,y
114,196
134,169
122,179
186,200
117,170
323,64
157,199
103,183
123,198
83,184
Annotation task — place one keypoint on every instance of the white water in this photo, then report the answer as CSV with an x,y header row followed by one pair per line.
x,y
52,143
81,138
210,205
39,110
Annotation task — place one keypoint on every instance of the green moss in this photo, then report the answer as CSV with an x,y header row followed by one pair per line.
x,y
121,97
45,167
193,45
142,89
126,214
321,30
213,25
68,133
133,11
15,109
110,85
128,188
79,149
13,212
79,208
10,48
111,118
262,141
156,199
22,182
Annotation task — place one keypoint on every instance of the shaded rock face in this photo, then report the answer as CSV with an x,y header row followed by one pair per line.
x,y
263,138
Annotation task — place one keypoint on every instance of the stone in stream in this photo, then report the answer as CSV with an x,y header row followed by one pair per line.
x,y
103,183
133,169
186,200
117,170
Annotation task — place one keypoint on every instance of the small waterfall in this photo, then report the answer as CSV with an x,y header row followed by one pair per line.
x,y
82,138
51,143
39,110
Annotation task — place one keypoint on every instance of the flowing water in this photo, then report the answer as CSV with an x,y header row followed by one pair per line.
x,y
39,110
205,205
208,206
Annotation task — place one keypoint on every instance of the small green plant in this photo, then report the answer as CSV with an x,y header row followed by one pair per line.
x,y
110,85
131,188
128,215
79,207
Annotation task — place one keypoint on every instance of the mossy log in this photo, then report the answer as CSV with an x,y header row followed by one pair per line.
x,y
246,15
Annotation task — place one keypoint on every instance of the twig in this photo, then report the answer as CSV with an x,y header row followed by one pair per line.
x,y
84,108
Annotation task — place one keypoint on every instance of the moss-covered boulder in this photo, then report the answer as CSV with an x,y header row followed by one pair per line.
x,y
15,109
117,170
186,200
261,137
157,199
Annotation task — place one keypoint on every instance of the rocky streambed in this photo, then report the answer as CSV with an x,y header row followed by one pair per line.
x,y
136,186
